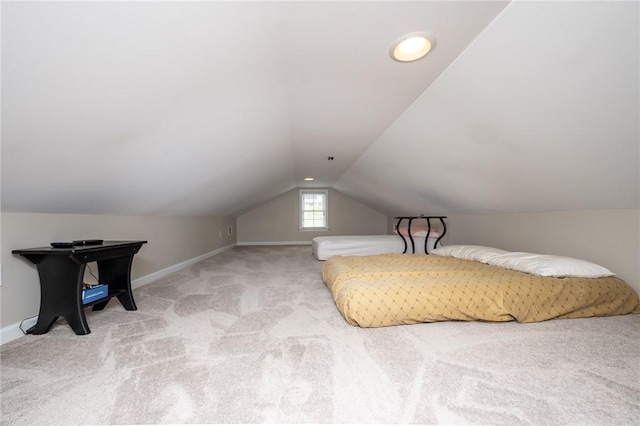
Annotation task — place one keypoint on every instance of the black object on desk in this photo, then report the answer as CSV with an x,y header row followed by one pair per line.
x,y
426,239
61,273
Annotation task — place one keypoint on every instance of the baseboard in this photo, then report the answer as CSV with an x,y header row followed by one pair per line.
x,y
12,332
138,282
274,243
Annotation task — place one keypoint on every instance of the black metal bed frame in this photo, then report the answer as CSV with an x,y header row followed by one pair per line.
x,y
426,240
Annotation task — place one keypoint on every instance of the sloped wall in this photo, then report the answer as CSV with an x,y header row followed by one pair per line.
x,y
277,221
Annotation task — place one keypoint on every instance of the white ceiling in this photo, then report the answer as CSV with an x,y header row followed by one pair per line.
x,y
541,113
209,108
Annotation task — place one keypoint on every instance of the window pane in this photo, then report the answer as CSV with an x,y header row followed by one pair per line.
x,y
313,210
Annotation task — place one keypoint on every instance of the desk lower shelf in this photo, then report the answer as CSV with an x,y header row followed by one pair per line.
x,y
104,299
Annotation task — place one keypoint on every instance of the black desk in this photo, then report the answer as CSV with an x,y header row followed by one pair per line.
x,y
426,240
61,273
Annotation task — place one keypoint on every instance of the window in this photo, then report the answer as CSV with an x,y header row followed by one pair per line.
x,y
313,209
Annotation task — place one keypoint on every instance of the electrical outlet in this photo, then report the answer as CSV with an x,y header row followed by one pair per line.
x,y
230,230
219,234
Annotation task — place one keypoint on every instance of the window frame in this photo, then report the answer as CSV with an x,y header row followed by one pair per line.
x,y
301,211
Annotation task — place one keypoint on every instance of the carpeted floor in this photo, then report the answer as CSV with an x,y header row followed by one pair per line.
x,y
252,336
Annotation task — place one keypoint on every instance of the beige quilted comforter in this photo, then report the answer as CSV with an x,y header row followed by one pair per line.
x,y
393,289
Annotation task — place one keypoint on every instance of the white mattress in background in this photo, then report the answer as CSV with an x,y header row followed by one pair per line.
x,y
364,245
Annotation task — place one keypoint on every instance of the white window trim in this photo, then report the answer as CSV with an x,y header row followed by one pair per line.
x,y
326,209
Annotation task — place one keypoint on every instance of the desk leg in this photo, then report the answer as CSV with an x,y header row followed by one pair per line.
x,y
117,274
61,294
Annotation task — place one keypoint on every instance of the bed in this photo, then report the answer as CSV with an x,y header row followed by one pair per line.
x,y
324,248
475,284
408,238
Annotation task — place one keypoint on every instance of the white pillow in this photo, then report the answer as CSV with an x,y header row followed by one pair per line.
x,y
548,265
469,252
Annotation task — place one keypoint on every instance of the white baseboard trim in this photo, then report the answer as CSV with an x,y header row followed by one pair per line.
x,y
13,332
139,282
274,243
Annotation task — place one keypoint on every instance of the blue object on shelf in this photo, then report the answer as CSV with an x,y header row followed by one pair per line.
x,y
95,293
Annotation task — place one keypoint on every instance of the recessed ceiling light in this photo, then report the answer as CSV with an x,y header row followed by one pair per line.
x,y
309,179
413,46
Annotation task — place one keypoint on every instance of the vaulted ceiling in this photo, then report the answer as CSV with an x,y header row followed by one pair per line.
x,y
210,108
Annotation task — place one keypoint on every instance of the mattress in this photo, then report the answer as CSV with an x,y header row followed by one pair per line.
x,y
394,289
324,248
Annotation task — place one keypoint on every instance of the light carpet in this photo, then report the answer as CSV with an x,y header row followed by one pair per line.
x,y
253,336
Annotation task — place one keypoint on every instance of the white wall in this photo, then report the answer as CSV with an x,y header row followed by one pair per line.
x,y
610,238
279,220
171,240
